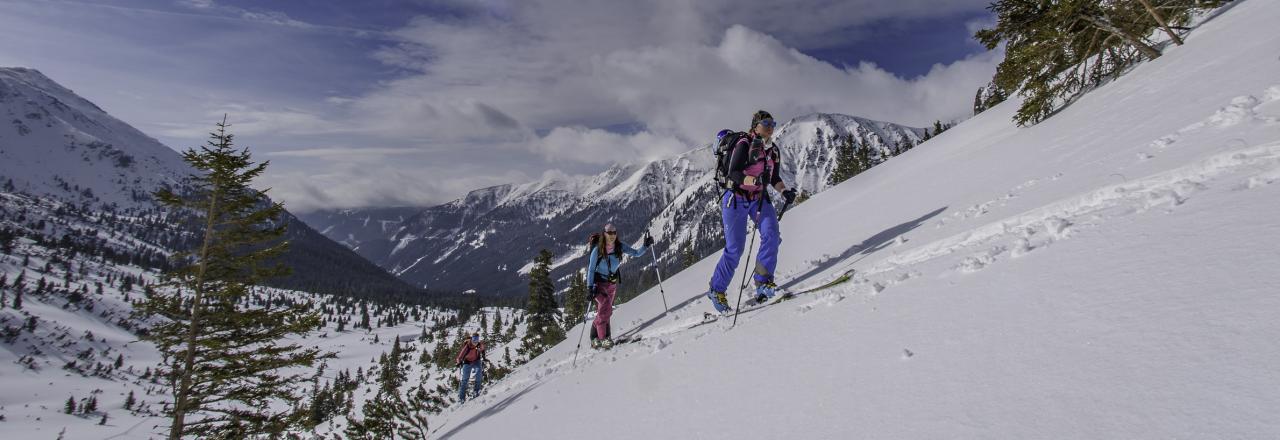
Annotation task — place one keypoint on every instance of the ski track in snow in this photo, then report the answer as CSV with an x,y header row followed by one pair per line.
x,y
1166,190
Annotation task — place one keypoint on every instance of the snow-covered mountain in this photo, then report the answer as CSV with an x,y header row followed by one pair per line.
x,y
59,148
56,143
486,240
1108,273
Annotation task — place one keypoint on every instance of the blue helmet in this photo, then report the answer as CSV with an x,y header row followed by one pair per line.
x,y
722,134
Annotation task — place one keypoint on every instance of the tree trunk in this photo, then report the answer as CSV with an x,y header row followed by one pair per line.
x,y
1146,49
182,394
1160,20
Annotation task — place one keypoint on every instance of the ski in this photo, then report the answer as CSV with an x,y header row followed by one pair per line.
x,y
843,278
751,305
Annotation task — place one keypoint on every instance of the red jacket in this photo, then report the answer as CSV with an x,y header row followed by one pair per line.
x,y
471,352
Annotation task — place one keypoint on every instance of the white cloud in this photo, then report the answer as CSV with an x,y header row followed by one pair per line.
x,y
249,120
813,24
676,89
345,152
387,183
595,146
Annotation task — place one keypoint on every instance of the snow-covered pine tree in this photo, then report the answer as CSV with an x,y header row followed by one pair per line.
x,y
542,330
225,363
496,330
390,416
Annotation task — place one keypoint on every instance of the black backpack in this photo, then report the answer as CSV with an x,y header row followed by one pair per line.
x,y
724,152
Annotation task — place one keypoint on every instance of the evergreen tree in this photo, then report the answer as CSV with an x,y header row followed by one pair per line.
x,y
542,330
17,298
130,401
687,256
979,105
6,241
1055,50
862,159
390,416
70,407
846,162
8,186
390,373
496,330
575,301
225,362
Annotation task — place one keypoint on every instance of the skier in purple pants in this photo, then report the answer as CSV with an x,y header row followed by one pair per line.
x,y
753,166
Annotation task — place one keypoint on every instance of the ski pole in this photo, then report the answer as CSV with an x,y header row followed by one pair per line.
x,y
659,272
583,332
785,207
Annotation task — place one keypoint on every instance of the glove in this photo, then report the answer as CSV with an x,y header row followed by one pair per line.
x,y
648,240
458,365
789,195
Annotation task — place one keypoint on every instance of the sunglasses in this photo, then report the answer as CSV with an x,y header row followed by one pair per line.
x,y
768,123
611,232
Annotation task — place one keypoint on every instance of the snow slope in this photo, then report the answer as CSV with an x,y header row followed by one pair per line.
x,y
1108,273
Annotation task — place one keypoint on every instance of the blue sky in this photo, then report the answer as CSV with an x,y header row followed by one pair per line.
x,y
391,102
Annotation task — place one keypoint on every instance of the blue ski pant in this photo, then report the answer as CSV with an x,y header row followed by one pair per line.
x,y
467,368
734,212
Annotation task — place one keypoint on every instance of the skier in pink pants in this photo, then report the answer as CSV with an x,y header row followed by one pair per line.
x,y
602,279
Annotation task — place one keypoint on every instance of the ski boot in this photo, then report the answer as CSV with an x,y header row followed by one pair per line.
x,y
765,289
718,300
596,344
607,343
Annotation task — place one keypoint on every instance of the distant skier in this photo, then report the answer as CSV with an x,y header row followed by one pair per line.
x,y
471,359
751,166
602,278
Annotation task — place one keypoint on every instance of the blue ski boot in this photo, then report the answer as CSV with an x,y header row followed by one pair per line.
x,y
719,301
765,289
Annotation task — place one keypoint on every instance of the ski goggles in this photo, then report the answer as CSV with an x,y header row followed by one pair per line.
x,y
768,123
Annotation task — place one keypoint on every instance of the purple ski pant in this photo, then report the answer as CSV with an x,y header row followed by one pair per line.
x,y
605,293
734,211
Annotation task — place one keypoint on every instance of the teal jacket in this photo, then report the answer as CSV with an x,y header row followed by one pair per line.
x,y
608,265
